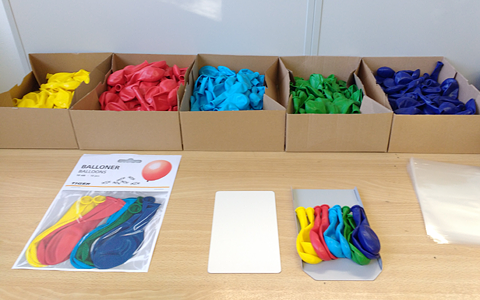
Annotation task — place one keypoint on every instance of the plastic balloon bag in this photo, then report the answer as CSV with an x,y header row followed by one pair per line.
x,y
106,217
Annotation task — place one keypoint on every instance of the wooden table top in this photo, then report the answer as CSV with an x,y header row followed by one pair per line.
x,y
414,266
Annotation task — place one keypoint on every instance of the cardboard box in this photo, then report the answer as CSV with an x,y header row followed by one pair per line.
x,y
365,132
427,133
342,268
97,129
22,127
250,130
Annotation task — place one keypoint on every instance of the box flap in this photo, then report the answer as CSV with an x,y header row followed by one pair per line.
x,y
29,84
270,104
5,100
283,81
426,64
303,66
44,63
370,106
467,91
371,87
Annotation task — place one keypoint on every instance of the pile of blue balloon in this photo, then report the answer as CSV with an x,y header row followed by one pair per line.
x,y
412,94
221,89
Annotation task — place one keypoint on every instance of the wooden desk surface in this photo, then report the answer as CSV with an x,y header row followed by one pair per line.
x,y
413,265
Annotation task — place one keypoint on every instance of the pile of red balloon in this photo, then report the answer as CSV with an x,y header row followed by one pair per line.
x,y
144,87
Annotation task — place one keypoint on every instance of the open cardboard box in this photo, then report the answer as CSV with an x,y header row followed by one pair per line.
x,y
252,130
98,129
427,133
341,268
365,132
22,127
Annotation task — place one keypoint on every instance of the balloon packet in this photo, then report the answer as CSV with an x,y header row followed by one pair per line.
x,y
106,217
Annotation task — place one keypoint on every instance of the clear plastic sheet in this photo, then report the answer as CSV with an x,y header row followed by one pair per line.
x,y
449,197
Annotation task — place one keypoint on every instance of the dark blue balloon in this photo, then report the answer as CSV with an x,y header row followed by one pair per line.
x,y
402,78
389,82
410,93
121,243
385,72
363,237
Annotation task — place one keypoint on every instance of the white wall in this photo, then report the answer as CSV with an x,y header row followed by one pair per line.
x,y
404,28
13,65
268,27
162,26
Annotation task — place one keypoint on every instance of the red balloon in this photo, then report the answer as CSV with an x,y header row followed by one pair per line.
x,y
156,169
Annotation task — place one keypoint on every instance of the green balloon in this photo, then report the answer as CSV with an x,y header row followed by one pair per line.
x,y
349,226
299,100
321,94
315,107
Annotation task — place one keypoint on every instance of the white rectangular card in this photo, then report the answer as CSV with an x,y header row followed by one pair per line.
x,y
244,233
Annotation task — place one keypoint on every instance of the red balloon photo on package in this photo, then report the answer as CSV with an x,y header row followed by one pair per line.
x,y
156,169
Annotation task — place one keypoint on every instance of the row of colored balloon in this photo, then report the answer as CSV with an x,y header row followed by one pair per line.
x,y
153,87
337,232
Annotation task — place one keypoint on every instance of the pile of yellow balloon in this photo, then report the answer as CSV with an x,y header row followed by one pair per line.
x,y
56,93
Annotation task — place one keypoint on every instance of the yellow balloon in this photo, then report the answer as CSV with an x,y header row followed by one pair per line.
x,y
69,85
59,77
80,208
27,103
57,92
42,99
82,75
304,246
61,99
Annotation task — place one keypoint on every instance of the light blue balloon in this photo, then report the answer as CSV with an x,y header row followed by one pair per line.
x,y
218,89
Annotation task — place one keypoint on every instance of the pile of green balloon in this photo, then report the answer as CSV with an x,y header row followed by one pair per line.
x,y
324,95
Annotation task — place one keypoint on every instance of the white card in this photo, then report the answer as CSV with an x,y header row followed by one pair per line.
x,y
244,233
